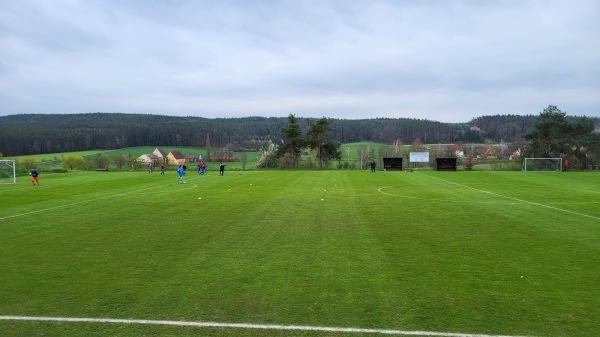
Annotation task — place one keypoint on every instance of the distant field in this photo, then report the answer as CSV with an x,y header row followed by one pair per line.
x,y
128,151
487,253
53,160
57,156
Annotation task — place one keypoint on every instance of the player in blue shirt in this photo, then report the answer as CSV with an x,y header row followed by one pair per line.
x,y
180,173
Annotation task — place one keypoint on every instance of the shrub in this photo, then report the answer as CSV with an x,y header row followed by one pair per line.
x,y
469,163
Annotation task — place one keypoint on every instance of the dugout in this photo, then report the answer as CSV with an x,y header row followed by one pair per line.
x,y
392,164
445,164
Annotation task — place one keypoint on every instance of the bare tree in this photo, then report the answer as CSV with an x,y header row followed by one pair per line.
x,y
362,155
398,145
120,161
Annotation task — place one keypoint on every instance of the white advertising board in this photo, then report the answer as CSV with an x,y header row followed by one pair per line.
x,y
419,157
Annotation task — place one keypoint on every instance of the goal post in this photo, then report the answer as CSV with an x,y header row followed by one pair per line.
x,y
542,164
8,172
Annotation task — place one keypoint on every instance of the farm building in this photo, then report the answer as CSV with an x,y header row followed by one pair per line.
x,y
156,156
193,158
175,157
159,153
148,158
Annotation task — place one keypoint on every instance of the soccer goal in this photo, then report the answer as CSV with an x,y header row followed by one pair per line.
x,y
8,172
542,164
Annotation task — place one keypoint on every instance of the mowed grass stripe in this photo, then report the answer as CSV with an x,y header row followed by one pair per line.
x,y
262,247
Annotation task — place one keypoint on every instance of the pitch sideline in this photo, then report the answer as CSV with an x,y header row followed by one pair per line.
x,y
513,198
246,326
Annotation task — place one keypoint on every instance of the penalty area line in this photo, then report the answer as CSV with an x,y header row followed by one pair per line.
x,y
246,326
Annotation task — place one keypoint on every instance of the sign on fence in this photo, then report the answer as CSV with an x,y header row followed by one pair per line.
x,y
419,157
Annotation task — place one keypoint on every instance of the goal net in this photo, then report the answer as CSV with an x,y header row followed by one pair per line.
x,y
8,174
542,164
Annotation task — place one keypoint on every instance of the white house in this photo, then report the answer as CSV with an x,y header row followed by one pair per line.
x,y
147,158
158,152
157,155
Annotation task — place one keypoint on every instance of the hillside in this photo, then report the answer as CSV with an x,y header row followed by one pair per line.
x,y
50,133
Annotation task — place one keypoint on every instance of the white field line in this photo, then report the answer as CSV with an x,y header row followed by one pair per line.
x,y
516,199
246,326
138,191
381,190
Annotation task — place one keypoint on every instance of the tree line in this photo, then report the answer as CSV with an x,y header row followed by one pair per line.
x,y
27,134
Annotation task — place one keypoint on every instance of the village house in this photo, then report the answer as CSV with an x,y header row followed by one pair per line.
x,y
459,151
491,152
148,158
175,158
159,153
154,157
515,155
193,158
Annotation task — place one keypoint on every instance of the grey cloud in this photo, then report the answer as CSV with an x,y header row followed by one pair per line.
x,y
454,60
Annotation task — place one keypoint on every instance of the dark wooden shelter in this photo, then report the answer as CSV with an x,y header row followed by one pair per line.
x,y
445,164
392,164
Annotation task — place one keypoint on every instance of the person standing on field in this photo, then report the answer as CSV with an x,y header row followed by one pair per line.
x,y
34,177
162,169
373,165
222,169
566,165
180,173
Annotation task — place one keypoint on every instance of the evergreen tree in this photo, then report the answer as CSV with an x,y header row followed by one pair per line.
x,y
556,136
318,139
548,131
293,141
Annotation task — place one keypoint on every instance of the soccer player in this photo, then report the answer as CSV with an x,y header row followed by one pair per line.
x,y
180,173
34,177
222,169
162,169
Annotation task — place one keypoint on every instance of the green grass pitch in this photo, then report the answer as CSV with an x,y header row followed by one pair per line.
x,y
491,253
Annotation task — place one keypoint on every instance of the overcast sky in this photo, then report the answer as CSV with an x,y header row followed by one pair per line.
x,y
447,61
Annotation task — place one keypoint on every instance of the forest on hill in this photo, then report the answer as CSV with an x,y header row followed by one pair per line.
x,y
50,133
